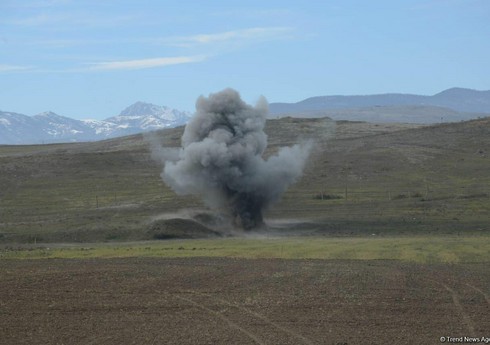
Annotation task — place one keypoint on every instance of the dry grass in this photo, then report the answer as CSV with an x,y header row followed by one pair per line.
x,y
387,179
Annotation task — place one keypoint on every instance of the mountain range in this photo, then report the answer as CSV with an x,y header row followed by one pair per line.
x,y
455,104
49,127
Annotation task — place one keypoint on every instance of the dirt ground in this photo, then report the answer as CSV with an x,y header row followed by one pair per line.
x,y
239,301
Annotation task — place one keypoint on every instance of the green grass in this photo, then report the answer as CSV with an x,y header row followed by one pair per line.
x,y
421,249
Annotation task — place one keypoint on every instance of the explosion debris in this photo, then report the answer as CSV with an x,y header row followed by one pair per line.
x,y
221,159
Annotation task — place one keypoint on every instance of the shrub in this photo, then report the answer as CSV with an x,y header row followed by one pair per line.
x,y
322,196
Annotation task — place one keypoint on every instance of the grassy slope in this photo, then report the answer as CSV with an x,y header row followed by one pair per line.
x,y
399,179
422,249
427,179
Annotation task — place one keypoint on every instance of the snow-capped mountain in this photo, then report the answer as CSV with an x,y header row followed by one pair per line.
x,y
49,127
147,117
18,129
101,128
60,128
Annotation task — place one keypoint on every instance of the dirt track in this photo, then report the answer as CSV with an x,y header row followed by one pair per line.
x,y
237,301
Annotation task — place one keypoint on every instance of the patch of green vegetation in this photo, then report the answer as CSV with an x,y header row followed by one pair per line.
x,y
422,249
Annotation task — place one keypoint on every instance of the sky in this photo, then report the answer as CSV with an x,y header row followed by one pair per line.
x,y
92,58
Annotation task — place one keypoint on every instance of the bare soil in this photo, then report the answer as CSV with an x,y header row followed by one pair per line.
x,y
239,301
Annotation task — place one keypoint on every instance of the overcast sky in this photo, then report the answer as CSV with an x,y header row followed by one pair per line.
x,y
91,59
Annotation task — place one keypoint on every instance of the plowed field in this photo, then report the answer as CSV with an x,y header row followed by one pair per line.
x,y
240,301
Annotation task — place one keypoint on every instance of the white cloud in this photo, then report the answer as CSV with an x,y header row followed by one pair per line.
x,y
13,68
267,13
143,63
36,20
236,36
40,3
71,19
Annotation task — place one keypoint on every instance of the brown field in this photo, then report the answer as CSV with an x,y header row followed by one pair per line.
x,y
410,204
240,301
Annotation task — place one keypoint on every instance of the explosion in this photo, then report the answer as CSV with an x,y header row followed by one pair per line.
x,y
221,159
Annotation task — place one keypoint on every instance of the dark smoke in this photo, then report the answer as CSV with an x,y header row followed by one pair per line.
x,y
221,159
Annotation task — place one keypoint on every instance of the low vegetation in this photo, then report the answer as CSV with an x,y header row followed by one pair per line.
x,y
422,249
362,179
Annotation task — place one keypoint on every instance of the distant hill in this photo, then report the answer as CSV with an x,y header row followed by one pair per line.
x,y
416,114
361,178
49,127
451,105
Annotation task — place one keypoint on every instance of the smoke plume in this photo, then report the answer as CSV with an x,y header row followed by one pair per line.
x,y
221,159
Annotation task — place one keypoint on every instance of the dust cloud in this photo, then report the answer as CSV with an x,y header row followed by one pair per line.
x,y
221,159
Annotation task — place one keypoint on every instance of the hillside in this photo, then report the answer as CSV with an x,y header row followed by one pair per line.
x,y
455,104
361,178
416,114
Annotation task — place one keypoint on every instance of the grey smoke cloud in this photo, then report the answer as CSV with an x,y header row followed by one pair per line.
x,y
221,159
